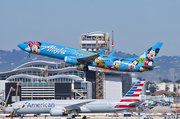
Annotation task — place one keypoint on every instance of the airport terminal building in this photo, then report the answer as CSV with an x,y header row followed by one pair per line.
x,y
52,80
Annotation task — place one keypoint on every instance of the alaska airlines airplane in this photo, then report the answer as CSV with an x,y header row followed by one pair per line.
x,y
84,58
59,107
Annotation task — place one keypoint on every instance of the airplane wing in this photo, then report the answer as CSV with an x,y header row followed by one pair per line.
x,y
105,70
77,105
88,60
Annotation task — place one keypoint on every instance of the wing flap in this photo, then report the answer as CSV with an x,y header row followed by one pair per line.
x,y
88,60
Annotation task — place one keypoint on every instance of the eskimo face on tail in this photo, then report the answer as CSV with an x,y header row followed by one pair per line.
x,y
151,55
34,46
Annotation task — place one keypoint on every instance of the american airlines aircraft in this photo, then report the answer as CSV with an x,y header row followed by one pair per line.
x,y
84,58
59,107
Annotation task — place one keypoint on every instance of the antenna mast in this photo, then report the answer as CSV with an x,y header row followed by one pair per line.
x,y
112,40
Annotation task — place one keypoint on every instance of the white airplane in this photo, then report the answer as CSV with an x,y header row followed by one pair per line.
x,y
60,107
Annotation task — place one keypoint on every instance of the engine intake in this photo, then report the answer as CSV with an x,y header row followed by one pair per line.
x,y
57,112
70,60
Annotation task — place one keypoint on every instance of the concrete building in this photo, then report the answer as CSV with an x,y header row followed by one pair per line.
x,y
115,84
95,41
34,77
165,86
45,80
53,87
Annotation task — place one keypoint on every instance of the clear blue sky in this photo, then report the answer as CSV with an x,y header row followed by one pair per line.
x,y
137,24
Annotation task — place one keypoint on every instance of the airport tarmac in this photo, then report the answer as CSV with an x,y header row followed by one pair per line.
x,y
153,117
3,116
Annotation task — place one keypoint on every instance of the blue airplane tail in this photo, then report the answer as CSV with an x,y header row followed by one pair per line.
x,y
148,57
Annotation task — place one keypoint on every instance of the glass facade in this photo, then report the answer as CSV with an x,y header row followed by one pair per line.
x,y
41,80
52,70
37,73
37,91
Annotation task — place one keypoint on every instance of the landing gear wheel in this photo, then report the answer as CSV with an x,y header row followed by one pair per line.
x,y
82,67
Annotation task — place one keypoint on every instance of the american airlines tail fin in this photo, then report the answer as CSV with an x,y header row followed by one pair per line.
x,y
132,97
148,57
135,91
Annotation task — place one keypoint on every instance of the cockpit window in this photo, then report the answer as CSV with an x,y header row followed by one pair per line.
x,y
25,42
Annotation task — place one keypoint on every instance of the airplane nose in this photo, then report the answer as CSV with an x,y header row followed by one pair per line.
x,y
20,45
8,110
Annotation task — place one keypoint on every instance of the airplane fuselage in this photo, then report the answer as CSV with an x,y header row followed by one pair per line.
x,y
45,106
59,107
71,55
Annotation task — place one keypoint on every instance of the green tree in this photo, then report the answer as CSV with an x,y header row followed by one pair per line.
x,y
175,89
147,84
167,88
152,89
177,81
166,94
139,78
174,95
164,80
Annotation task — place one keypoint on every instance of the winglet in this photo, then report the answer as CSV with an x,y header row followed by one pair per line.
x,y
102,51
111,55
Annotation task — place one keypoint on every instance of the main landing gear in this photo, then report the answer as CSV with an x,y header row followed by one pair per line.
x,y
82,67
28,56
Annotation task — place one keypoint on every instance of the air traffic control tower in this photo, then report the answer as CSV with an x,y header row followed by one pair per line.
x,y
95,42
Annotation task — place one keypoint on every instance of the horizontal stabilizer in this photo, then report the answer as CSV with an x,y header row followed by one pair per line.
x,y
148,67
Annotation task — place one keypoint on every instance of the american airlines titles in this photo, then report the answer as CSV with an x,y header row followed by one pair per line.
x,y
38,105
53,49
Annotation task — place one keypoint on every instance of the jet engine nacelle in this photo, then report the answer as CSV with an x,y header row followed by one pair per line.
x,y
57,112
70,60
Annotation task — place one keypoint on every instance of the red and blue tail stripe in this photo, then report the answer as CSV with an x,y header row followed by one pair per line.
x,y
136,89
132,97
